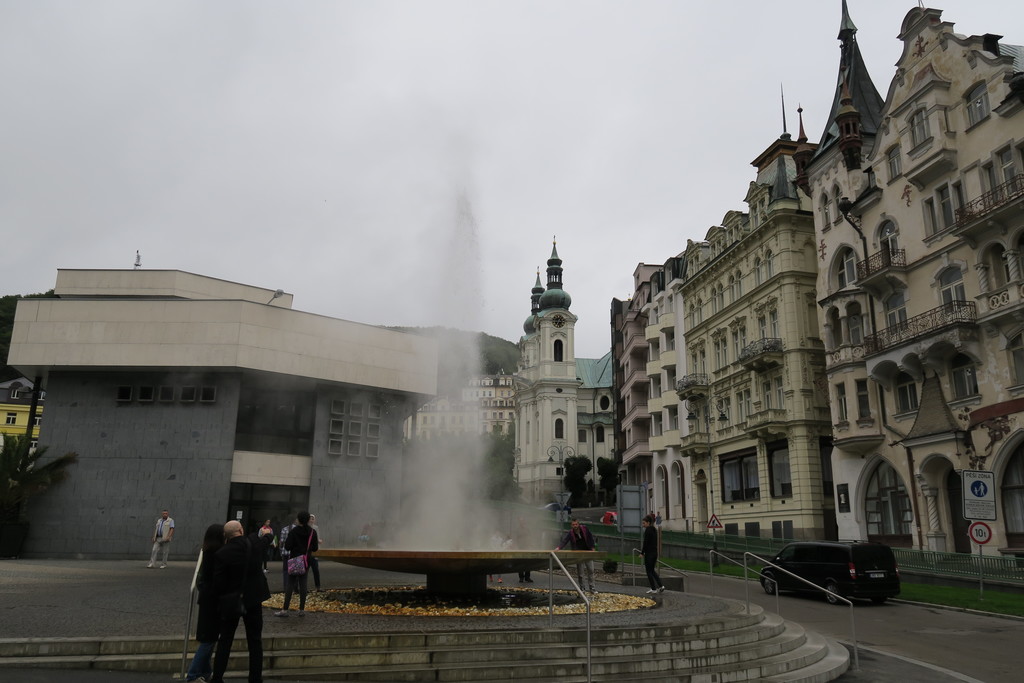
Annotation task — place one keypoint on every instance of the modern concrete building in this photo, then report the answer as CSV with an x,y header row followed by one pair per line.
x,y
214,400
919,229
564,404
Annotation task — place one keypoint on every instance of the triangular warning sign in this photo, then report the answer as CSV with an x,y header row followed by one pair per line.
x,y
714,522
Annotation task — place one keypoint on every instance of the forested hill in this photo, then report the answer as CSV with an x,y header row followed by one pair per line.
x,y
456,362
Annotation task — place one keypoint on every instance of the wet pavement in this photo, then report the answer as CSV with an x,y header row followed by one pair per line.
x,y
106,598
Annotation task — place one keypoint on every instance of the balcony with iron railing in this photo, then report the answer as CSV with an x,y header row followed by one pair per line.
x,y
875,266
989,206
949,315
762,354
692,386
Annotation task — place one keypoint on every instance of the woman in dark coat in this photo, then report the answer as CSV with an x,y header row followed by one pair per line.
x,y
650,552
208,623
302,540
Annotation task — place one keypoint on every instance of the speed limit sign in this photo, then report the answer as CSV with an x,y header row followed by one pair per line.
x,y
980,533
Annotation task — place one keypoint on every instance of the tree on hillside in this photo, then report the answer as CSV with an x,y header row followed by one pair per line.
x,y
8,304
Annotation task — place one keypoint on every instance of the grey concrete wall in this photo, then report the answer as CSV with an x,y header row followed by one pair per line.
x,y
346,492
134,460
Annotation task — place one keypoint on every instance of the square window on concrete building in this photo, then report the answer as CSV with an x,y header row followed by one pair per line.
x,y
187,395
337,407
372,449
354,447
337,426
147,394
373,430
165,393
208,394
375,411
355,408
335,446
124,394
355,428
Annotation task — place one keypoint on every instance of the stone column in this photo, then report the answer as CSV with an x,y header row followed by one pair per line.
x,y
936,537
1012,257
982,277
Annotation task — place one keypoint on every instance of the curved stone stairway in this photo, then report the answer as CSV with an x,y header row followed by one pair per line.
x,y
731,646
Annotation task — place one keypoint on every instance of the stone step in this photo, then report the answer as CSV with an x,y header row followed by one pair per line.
x,y
737,647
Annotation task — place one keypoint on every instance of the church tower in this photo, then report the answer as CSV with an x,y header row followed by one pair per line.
x,y
546,388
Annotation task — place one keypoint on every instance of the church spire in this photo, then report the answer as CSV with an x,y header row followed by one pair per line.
x,y
853,75
555,296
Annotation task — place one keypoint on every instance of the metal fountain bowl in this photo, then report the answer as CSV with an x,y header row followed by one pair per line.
x,y
455,571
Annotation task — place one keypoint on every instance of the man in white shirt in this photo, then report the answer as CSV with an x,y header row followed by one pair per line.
x,y
162,535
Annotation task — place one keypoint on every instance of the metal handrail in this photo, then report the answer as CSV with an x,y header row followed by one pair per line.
x,y
853,624
746,585
551,600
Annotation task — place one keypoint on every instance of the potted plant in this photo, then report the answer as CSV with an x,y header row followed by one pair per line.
x,y
21,476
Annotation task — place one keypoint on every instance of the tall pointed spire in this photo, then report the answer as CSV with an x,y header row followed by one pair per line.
x,y
854,75
802,156
555,296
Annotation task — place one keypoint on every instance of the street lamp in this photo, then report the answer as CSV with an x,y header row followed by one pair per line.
x,y
693,418
562,452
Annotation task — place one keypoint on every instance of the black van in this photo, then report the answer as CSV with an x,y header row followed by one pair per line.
x,y
853,570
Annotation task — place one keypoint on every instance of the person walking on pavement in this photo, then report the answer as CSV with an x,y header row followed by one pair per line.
x,y
163,533
208,621
282,547
579,538
237,567
301,541
649,551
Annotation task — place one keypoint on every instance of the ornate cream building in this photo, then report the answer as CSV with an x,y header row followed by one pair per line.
x,y
918,209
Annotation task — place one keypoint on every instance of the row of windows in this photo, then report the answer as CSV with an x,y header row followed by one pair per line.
x,y
12,419
764,268
126,393
355,428
963,384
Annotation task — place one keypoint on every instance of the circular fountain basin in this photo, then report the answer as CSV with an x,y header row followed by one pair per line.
x,y
455,571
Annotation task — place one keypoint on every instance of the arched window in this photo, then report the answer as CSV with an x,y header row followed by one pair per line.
x,y
951,286
906,393
887,507
558,351
895,309
846,268
1013,499
888,238
732,289
758,271
977,104
677,485
700,312
836,196
559,429
720,297
826,210
769,266
599,434
964,377
835,328
1016,350
737,291
855,323
998,270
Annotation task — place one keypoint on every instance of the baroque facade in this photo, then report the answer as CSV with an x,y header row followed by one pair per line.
x,y
919,226
564,404
486,405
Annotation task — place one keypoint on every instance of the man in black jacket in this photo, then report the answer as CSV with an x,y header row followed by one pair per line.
x,y
238,566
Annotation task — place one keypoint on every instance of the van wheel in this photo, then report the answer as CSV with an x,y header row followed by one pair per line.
x,y
832,586
880,600
768,583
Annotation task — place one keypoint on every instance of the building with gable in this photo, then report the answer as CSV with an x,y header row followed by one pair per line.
x,y
918,217
16,408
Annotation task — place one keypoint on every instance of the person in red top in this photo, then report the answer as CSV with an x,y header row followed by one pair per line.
x,y
579,538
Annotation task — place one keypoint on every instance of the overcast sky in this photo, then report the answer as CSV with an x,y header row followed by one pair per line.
x,y
408,163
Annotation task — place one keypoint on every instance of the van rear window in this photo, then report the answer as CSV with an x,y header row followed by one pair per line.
x,y
875,554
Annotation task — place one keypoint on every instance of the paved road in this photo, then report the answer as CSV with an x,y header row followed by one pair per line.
x,y
67,598
969,645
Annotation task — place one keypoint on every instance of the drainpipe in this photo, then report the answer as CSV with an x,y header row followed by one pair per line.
x,y
844,207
